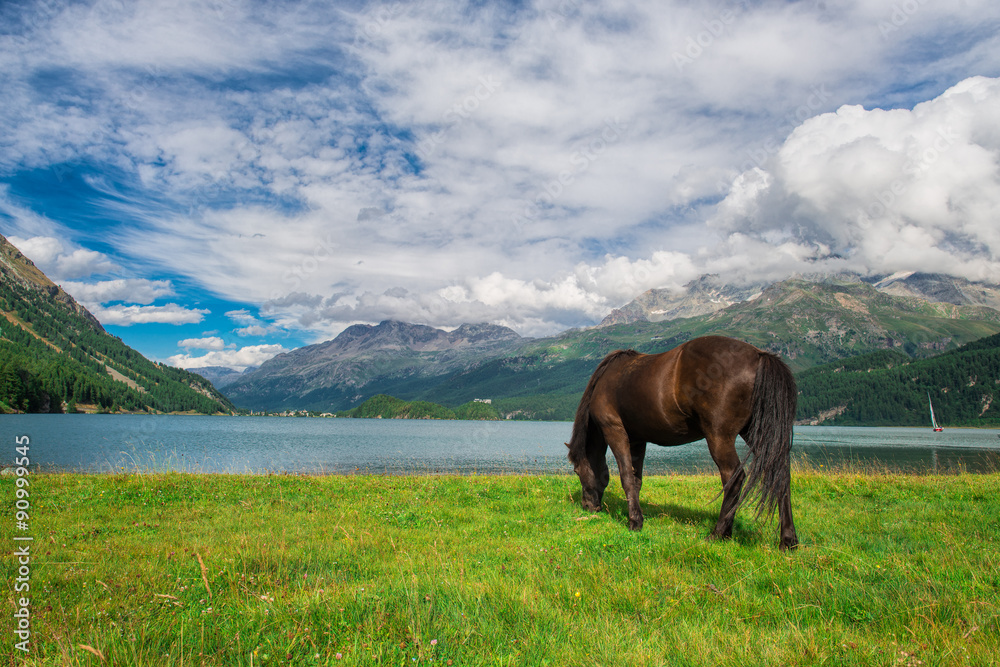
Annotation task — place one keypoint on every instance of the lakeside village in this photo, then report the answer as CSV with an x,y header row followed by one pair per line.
x,y
333,415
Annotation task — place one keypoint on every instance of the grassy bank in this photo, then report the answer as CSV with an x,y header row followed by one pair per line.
x,y
242,570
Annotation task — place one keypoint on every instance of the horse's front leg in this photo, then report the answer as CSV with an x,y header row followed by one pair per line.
x,y
597,451
617,439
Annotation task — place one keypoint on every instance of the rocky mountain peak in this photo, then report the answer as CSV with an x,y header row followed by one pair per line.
x,y
392,334
704,295
939,288
484,332
709,293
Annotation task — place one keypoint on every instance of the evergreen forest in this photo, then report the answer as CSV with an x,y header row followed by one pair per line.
x,y
54,359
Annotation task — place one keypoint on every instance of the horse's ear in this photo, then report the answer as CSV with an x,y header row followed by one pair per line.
x,y
567,445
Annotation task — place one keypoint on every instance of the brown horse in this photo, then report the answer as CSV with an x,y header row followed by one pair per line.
x,y
711,387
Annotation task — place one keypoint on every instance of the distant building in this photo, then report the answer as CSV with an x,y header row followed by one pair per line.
x,y
482,400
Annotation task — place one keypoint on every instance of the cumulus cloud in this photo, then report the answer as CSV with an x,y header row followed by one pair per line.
x,y
61,263
238,359
255,330
879,191
130,290
207,343
170,313
576,298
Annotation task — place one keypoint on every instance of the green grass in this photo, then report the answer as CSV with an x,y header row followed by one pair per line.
x,y
893,570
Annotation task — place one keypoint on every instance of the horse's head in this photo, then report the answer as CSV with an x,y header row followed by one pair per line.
x,y
592,481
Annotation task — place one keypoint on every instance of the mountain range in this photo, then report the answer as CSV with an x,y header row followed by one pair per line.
x,y
809,321
55,356
339,373
709,294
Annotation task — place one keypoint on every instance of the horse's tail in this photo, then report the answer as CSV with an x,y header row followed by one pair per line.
x,y
581,424
769,434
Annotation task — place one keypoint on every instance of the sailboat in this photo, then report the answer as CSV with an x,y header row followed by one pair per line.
x,y
934,424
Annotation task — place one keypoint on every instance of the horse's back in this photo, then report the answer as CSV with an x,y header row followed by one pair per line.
x,y
671,398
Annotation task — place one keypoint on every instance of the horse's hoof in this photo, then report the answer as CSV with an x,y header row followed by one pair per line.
x,y
635,525
787,545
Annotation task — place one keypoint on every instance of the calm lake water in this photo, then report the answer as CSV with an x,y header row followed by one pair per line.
x,y
112,443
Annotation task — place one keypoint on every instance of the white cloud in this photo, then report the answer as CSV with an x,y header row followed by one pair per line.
x,y
207,343
253,326
59,263
575,298
884,190
170,313
44,251
240,359
255,330
82,263
131,290
242,316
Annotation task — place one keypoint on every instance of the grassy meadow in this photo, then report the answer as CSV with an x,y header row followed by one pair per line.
x,y
175,569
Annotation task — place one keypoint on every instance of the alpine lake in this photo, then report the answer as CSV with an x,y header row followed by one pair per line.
x,y
315,446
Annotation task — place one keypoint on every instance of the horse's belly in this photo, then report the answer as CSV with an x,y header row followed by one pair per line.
x,y
675,440
670,436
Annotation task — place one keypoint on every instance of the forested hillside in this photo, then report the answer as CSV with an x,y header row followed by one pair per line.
x,y
889,389
55,357
389,407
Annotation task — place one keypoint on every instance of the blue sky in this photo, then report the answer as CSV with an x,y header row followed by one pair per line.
x,y
223,181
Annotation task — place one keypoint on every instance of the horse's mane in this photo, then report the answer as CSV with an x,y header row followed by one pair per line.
x,y
578,441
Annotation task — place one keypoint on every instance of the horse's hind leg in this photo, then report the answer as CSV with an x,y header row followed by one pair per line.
x,y
789,540
638,451
723,451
